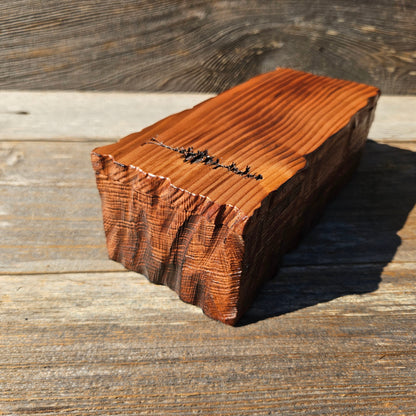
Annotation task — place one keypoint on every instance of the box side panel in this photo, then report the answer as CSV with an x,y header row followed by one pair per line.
x,y
286,214
193,253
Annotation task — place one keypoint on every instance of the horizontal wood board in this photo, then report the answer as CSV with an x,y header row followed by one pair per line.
x,y
101,116
203,46
107,343
333,333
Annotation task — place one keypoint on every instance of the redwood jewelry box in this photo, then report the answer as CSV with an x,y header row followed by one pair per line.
x,y
208,200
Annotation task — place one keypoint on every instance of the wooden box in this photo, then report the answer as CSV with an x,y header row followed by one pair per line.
x,y
208,200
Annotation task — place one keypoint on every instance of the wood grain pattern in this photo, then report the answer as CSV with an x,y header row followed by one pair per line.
x,y
203,46
54,211
38,115
111,343
101,116
213,223
76,339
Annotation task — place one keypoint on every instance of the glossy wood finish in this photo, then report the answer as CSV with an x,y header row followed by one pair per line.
x,y
331,334
206,201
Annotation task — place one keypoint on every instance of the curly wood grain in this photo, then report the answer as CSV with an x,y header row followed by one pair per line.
x,y
213,235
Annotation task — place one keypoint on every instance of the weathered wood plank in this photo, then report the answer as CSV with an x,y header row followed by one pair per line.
x,y
98,116
51,220
367,207
75,116
339,339
394,119
115,344
50,213
203,46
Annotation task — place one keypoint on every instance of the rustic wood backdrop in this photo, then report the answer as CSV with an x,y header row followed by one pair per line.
x,y
81,336
204,46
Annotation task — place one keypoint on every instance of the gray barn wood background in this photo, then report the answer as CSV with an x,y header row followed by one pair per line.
x,y
206,46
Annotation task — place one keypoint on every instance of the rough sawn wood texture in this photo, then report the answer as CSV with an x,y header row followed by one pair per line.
x,y
208,200
205,46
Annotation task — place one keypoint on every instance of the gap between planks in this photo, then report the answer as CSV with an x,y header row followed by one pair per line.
x,y
393,265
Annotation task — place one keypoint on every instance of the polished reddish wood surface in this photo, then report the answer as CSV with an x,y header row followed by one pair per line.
x,y
266,156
